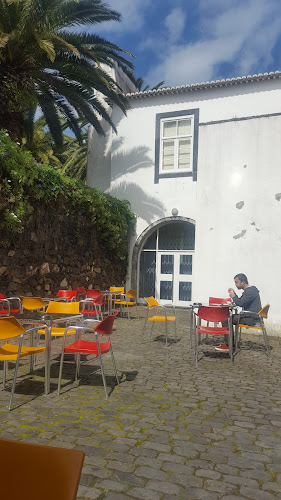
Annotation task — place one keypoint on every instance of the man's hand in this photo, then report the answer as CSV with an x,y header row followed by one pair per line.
x,y
231,292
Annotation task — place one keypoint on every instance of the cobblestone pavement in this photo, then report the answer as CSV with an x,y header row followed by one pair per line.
x,y
171,429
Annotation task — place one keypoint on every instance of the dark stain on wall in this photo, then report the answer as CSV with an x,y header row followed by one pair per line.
x,y
240,235
240,205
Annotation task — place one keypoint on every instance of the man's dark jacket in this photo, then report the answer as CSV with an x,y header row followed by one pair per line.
x,y
249,300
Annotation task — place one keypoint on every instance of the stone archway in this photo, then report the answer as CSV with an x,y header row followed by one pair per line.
x,y
144,236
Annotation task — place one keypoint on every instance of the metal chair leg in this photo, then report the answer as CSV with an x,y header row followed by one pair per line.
x,y
15,374
114,365
61,366
77,371
5,369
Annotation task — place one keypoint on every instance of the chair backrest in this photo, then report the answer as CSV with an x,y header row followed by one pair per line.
x,y
69,294
131,294
32,303
55,307
151,301
10,328
264,311
36,471
99,299
116,289
81,289
213,313
92,294
218,300
105,327
2,296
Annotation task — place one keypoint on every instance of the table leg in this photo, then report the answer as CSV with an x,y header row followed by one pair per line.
x,y
48,359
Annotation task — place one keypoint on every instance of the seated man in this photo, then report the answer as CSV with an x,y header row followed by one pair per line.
x,y
249,300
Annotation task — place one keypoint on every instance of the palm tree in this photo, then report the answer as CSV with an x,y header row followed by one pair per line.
x,y
43,63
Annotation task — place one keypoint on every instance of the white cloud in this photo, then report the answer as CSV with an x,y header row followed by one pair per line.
x,y
133,16
243,34
175,23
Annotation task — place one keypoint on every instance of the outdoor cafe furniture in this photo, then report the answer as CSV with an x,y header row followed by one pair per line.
x,y
69,295
9,305
55,317
159,314
97,347
92,307
213,314
32,303
35,472
127,300
11,329
81,293
261,315
213,301
92,294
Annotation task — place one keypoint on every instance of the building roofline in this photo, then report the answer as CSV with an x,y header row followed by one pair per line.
x,y
207,85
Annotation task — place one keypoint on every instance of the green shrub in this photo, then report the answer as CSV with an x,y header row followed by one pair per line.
x,y
27,185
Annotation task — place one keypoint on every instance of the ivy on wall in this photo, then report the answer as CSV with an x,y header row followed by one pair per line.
x,y
26,185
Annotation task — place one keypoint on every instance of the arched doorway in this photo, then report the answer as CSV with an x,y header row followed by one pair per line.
x,y
165,264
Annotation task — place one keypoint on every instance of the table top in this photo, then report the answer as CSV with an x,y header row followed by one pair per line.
x,y
43,317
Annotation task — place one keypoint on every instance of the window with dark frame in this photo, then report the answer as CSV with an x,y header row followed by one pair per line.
x,y
176,144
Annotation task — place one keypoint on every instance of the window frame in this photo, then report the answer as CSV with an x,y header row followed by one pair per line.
x,y
159,139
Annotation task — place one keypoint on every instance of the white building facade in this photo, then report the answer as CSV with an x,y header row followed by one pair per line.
x,y
201,168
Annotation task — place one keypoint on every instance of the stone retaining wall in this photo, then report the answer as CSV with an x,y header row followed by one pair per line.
x,y
48,257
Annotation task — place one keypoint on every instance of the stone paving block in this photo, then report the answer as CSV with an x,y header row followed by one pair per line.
x,y
199,494
150,473
145,494
84,492
164,487
109,484
255,494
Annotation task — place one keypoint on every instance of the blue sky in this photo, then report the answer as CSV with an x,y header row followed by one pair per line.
x,y
190,41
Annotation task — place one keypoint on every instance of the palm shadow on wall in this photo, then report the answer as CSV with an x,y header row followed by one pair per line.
x,y
144,205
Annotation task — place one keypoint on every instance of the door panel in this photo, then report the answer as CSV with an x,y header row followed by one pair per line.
x,y
174,278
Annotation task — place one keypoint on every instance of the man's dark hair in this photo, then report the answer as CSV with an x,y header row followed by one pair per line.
x,y
242,277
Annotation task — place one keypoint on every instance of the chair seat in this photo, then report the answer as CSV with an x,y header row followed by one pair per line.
x,y
90,312
248,326
125,303
211,330
58,332
12,311
10,351
85,347
162,318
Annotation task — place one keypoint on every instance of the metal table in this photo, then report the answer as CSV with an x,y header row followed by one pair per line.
x,y
47,320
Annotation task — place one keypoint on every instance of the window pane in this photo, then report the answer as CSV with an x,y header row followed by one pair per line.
x,y
147,274
177,236
168,155
167,264
169,129
186,264
185,291
184,127
166,290
151,242
184,153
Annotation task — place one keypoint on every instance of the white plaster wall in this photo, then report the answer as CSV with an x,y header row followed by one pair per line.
x,y
238,161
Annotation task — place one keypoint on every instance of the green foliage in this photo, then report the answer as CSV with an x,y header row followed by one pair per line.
x,y
27,185
46,62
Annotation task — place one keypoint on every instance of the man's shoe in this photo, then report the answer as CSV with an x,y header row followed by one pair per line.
x,y
222,348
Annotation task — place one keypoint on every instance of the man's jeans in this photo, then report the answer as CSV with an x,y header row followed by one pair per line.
x,y
244,319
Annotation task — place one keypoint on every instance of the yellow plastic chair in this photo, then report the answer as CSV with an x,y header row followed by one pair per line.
x,y
263,313
129,300
154,307
33,471
62,308
32,303
10,328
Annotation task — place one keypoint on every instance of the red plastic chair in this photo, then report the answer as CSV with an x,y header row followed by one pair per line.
x,y
92,294
69,295
97,348
217,301
5,305
213,314
92,307
81,293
